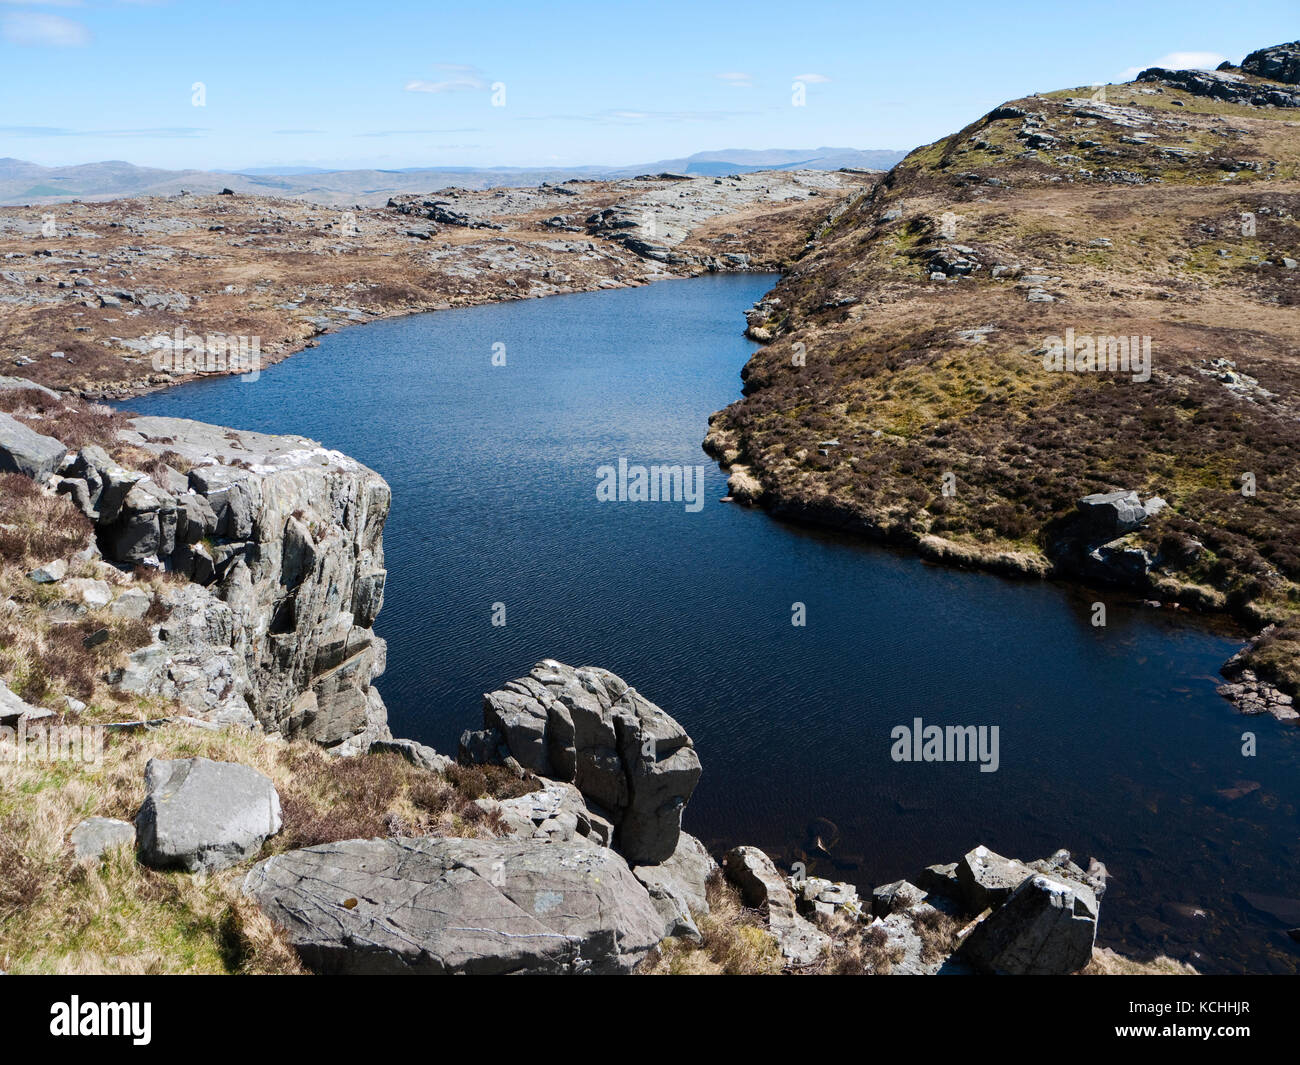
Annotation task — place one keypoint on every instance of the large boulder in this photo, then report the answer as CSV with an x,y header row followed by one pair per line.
x,y
762,887
988,879
678,885
458,906
1111,514
202,816
24,450
630,759
1046,927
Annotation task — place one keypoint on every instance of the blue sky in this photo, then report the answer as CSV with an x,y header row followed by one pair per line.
x,y
411,84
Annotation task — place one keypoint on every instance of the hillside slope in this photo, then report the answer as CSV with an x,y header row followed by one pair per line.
x,y
910,391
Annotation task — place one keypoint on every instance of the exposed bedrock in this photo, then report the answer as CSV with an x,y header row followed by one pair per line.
x,y
631,761
286,537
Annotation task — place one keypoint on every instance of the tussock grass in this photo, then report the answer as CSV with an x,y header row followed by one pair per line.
x,y
857,949
735,941
58,914
1105,962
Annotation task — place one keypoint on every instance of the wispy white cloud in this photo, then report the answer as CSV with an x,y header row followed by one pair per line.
x,y
1178,61
737,78
456,77
37,29
812,79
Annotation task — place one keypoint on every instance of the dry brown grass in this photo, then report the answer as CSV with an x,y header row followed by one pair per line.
x,y
36,527
326,799
735,941
1105,962
270,279
857,949
115,916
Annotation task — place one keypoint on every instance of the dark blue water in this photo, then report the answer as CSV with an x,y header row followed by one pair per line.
x,y
1113,742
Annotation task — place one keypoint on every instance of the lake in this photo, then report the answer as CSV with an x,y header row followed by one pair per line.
x,y
1112,741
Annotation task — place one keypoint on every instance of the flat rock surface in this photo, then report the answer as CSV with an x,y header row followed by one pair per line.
x,y
458,906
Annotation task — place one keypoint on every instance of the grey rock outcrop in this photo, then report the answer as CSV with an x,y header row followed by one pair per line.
x,y
1046,927
202,816
1281,62
678,886
814,895
24,450
419,755
632,762
1224,85
1111,514
286,535
22,384
988,879
1250,692
458,906
555,812
761,886
96,835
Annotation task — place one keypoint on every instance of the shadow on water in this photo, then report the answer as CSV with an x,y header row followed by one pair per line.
x,y
1112,742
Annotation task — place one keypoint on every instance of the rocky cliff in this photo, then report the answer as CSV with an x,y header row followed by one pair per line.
x,y
274,546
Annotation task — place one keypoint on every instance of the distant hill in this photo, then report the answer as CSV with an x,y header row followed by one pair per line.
x,y
23,182
741,160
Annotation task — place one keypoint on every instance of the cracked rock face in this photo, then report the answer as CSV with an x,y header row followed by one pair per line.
x,y
631,761
285,535
458,906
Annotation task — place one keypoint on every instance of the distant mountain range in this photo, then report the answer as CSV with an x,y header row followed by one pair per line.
x,y
22,182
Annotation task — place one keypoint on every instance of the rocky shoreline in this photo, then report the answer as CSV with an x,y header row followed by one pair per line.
x,y
907,389
580,865
1105,557
87,287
